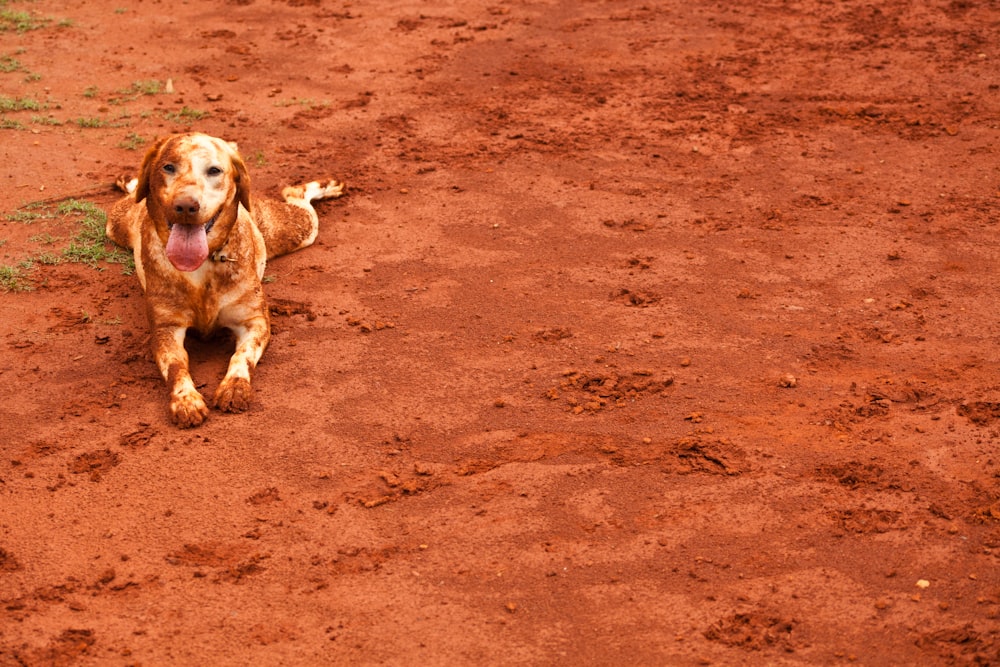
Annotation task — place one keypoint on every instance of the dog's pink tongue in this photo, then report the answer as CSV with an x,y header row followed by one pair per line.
x,y
187,247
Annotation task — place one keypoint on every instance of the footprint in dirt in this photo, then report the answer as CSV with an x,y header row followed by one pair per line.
x,y
980,413
94,463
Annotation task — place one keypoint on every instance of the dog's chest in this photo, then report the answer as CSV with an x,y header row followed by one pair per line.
x,y
223,298
216,295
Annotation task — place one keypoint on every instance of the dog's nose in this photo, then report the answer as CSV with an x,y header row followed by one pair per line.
x,y
186,206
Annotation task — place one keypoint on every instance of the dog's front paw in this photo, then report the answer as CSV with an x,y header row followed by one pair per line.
x,y
188,409
233,395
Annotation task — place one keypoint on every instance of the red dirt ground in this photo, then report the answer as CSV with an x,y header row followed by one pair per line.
x,y
650,332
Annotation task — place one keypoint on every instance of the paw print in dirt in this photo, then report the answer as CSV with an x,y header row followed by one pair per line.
x,y
980,413
752,630
95,463
592,392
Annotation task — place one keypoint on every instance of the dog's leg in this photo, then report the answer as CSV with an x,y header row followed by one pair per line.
x,y
303,196
292,224
252,336
187,407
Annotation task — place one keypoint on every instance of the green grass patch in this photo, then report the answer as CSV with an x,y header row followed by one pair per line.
x,y
92,122
13,279
135,91
131,141
48,258
88,245
10,64
186,114
46,120
10,104
21,21
148,87
44,239
30,213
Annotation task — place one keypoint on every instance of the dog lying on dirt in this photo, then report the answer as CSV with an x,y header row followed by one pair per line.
x,y
200,245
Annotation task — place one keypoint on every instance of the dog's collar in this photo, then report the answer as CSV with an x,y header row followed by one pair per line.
x,y
221,256
211,223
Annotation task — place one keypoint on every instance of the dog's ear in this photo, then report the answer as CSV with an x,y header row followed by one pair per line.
x,y
242,179
148,162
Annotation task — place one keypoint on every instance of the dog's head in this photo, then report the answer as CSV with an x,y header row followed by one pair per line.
x,y
193,185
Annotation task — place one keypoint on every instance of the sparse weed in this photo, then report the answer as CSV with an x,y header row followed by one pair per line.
x,y
135,91
9,104
29,214
88,246
94,122
21,21
150,87
12,279
9,64
131,141
91,122
186,114
46,120
44,239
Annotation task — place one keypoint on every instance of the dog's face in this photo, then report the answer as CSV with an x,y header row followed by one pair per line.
x,y
193,185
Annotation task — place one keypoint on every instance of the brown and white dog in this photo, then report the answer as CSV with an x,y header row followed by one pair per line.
x,y
200,245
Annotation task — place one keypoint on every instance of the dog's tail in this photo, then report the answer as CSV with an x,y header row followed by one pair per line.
x,y
127,183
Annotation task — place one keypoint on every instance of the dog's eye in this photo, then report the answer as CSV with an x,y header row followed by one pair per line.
x,y
214,171
169,168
